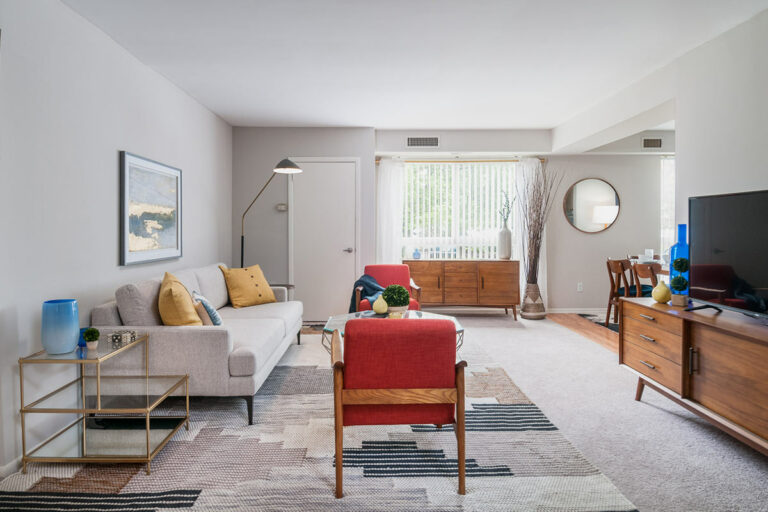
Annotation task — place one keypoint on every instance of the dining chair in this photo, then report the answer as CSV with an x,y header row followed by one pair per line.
x,y
397,372
621,285
646,271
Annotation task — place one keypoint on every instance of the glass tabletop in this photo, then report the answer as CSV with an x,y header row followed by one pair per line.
x,y
338,322
105,350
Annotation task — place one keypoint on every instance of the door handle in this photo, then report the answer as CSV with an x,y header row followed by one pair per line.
x,y
648,338
438,282
692,355
482,282
647,317
649,365
348,249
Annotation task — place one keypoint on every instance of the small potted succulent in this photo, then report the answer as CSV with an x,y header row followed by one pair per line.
x,y
397,299
679,282
91,337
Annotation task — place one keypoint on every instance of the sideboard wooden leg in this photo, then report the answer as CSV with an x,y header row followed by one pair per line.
x,y
640,388
514,312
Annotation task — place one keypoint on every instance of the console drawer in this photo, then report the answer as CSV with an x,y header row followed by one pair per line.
x,y
653,338
653,366
649,316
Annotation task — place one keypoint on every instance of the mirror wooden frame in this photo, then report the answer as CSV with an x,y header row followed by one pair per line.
x,y
565,211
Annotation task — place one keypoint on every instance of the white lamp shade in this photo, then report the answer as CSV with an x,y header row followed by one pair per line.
x,y
287,167
605,214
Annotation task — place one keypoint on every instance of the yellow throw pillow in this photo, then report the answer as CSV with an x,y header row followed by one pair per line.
x,y
247,286
175,303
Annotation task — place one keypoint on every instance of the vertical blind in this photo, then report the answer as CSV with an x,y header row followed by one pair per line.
x,y
451,210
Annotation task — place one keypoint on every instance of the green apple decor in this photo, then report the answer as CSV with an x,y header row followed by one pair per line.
x,y
397,299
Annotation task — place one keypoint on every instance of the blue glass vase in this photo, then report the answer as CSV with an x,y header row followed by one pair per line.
x,y
679,250
61,326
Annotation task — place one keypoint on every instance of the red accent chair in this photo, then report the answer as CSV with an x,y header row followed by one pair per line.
x,y
397,372
387,275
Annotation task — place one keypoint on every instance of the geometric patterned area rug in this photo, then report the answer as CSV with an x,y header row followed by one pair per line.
x,y
517,460
600,320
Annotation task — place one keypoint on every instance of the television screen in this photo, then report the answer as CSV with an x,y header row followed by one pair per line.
x,y
729,251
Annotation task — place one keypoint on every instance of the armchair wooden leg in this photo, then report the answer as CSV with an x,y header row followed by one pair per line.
x,y
461,448
338,423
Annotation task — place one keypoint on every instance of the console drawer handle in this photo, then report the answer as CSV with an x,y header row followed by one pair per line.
x,y
648,317
649,365
648,338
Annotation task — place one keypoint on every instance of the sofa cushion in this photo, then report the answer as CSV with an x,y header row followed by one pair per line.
x,y
212,284
175,303
247,286
253,341
203,313
288,312
137,303
188,278
211,312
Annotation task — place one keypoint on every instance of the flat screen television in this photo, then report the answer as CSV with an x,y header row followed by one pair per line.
x,y
729,251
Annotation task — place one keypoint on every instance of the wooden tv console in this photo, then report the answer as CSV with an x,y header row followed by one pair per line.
x,y
485,283
713,364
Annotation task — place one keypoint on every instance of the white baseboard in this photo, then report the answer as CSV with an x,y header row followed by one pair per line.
x,y
10,468
586,311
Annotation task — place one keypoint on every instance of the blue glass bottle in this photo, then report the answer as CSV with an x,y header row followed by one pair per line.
x,y
678,251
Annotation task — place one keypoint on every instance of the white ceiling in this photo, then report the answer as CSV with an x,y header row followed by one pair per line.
x,y
409,63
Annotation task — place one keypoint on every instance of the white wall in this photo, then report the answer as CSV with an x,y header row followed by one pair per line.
x,y
573,256
70,99
255,153
720,108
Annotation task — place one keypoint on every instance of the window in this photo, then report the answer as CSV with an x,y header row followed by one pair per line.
x,y
667,203
451,210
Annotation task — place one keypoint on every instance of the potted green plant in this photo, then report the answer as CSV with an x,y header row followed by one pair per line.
x,y
679,282
397,299
91,337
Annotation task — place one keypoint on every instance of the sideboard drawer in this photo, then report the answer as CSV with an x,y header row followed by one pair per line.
x,y
653,338
461,296
654,366
649,316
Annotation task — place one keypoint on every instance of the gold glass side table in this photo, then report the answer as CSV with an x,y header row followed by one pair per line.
x,y
117,421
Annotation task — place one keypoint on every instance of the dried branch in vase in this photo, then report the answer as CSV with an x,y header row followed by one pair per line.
x,y
535,193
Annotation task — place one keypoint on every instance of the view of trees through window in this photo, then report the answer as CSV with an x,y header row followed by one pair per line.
x,y
451,209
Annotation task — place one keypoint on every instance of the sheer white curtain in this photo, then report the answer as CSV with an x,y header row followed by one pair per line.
x,y
527,167
389,211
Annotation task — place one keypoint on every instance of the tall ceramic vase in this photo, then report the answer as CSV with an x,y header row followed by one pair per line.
x,y
533,304
504,248
61,326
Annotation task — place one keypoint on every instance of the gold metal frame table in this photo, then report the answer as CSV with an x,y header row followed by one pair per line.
x,y
117,419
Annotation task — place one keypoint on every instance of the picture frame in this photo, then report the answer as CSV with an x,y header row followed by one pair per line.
x,y
150,210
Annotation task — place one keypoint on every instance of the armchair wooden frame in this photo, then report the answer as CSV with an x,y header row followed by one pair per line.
x,y
415,292
342,397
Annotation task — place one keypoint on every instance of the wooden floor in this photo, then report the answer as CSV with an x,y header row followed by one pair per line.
x,y
601,335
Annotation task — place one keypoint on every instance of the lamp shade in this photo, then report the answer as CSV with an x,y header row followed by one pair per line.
x,y
605,214
287,167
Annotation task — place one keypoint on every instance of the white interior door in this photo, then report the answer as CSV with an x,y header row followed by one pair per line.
x,y
323,252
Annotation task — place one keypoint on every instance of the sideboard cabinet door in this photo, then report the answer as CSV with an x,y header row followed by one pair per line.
x,y
429,276
498,283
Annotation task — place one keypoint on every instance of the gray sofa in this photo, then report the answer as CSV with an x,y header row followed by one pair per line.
x,y
232,359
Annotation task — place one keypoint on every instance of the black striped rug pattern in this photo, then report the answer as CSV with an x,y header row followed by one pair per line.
x,y
405,459
498,418
91,502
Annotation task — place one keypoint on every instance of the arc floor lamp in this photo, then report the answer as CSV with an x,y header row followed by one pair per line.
x,y
284,167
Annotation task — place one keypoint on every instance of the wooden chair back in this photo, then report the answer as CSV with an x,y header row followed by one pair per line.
x,y
646,271
617,274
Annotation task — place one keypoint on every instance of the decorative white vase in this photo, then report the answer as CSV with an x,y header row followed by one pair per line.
x,y
504,248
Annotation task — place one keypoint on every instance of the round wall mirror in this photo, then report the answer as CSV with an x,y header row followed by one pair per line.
x,y
591,205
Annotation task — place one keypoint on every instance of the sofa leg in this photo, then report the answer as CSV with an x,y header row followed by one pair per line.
x,y
249,404
298,337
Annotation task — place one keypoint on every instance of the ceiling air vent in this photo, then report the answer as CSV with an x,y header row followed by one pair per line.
x,y
651,143
423,142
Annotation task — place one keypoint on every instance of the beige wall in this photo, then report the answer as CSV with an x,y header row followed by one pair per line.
x,y
70,99
573,256
255,153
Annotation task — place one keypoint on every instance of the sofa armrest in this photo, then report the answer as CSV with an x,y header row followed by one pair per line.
x,y
281,293
202,352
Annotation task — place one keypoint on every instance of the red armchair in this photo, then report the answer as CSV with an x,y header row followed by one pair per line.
x,y
387,275
397,372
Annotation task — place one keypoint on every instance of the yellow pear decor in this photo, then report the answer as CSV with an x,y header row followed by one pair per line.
x,y
380,305
661,294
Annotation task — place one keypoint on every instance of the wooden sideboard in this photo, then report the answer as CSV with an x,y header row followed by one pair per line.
x,y
713,364
487,283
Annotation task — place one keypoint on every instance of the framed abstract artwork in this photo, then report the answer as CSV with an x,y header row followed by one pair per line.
x,y
150,206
